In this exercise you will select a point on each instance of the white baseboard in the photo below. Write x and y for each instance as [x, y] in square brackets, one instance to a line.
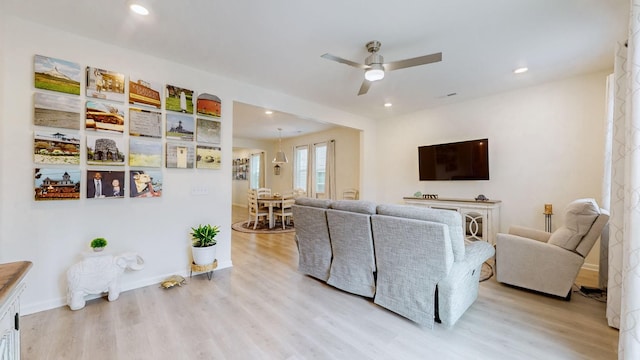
[591, 267]
[27, 309]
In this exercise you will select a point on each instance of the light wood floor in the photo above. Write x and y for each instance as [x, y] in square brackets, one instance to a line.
[263, 308]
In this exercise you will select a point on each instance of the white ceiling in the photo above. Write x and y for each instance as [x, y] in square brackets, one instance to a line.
[277, 43]
[251, 122]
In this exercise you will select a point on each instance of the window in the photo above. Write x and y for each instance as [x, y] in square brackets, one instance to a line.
[320, 163]
[309, 169]
[254, 176]
[300, 167]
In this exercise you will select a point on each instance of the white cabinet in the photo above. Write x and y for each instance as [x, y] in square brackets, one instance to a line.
[11, 286]
[481, 218]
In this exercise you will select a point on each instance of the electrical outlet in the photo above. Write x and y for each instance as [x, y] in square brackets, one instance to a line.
[199, 190]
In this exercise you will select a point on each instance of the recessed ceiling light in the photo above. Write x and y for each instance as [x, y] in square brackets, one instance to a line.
[520, 70]
[268, 112]
[388, 104]
[139, 9]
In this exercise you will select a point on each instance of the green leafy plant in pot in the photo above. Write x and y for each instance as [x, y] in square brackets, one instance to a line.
[203, 241]
[98, 244]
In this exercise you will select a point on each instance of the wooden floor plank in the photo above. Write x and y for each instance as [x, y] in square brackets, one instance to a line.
[262, 308]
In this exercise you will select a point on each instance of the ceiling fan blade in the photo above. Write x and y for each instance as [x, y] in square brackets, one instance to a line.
[344, 61]
[364, 87]
[420, 60]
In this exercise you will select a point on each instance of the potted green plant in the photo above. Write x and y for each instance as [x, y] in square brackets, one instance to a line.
[203, 241]
[98, 244]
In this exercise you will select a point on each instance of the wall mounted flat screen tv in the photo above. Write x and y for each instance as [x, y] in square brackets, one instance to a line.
[465, 160]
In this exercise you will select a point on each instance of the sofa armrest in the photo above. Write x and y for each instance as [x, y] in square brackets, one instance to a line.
[478, 252]
[530, 233]
[523, 247]
[459, 289]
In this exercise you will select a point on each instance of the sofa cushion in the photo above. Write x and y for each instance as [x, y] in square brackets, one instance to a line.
[451, 218]
[358, 206]
[579, 216]
[319, 203]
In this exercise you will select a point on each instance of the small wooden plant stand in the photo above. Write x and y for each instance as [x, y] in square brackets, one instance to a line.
[204, 268]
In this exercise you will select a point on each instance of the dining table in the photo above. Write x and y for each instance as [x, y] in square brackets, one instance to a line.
[272, 202]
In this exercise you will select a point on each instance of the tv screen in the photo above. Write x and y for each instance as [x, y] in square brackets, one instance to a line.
[466, 160]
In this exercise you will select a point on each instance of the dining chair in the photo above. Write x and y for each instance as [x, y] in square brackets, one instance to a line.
[263, 192]
[255, 211]
[289, 194]
[284, 195]
[299, 192]
[285, 212]
[350, 194]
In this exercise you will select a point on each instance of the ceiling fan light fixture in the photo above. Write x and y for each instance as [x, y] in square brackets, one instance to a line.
[374, 65]
[374, 73]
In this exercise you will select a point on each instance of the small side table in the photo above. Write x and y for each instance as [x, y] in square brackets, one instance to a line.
[548, 211]
[204, 268]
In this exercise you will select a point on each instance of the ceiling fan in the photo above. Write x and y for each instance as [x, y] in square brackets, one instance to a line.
[374, 66]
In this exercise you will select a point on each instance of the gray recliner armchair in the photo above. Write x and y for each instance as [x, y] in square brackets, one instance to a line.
[550, 262]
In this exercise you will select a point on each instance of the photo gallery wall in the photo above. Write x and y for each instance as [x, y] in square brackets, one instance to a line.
[125, 130]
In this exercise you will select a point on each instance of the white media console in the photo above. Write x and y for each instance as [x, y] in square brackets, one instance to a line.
[482, 218]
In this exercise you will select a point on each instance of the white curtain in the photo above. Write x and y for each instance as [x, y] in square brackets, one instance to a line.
[263, 169]
[623, 293]
[606, 183]
[310, 161]
[330, 171]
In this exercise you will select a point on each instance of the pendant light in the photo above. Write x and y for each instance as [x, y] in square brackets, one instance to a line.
[280, 158]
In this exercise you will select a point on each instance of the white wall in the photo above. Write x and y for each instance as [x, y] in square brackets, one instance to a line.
[53, 234]
[545, 143]
[3, 29]
[545, 147]
[347, 159]
[240, 187]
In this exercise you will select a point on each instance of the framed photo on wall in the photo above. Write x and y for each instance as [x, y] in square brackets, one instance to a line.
[208, 105]
[145, 183]
[144, 92]
[102, 150]
[105, 84]
[208, 157]
[147, 123]
[208, 131]
[178, 99]
[58, 111]
[145, 153]
[180, 155]
[180, 127]
[104, 116]
[57, 75]
[61, 147]
[105, 184]
[56, 184]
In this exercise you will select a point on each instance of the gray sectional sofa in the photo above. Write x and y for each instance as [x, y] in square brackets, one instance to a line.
[411, 260]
